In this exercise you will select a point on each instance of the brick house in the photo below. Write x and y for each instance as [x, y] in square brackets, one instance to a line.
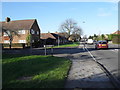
[23, 28]
[52, 39]
[117, 32]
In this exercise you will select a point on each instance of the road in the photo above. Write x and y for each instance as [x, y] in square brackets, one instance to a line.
[107, 57]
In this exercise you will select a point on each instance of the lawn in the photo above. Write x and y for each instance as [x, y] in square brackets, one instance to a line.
[35, 71]
[74, 44]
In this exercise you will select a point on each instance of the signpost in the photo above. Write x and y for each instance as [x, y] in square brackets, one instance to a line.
[46, 46]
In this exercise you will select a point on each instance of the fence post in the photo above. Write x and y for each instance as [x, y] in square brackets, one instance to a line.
[52, 50]
[45, 49]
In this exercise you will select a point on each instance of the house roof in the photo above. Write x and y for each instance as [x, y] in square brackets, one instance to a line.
[47, 35]
[56, 35]
[117, 32]
[62, 35]
[18, 24]
[51, 35]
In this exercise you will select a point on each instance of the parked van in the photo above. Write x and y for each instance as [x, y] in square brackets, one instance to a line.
[89, 41]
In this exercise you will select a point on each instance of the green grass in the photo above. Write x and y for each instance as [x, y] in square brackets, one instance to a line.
[75, 44]
[35, 71]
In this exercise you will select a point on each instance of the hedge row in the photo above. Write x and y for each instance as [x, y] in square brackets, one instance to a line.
[36, 44]
[14, 45]
[116, 39]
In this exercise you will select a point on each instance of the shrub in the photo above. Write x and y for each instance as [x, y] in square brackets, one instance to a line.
[14, 45]
[116, 39]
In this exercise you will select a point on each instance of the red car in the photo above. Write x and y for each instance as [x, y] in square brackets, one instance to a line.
[101, 44]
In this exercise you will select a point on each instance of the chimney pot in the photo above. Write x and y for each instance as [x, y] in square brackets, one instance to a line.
[7, 19]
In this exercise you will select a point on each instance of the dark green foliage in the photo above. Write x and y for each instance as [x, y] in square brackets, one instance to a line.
[14, 45]
[90, 37]
[116, 38]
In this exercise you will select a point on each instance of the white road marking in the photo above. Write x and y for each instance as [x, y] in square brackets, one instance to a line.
[91, 54]
[115, 50]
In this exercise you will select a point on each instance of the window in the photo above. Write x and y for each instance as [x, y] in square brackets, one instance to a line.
[37, 32]
[5, 34]
[6, 41]
[33, 41]
[104, 42]
[21, 32]
[32, 31]
[22, 41]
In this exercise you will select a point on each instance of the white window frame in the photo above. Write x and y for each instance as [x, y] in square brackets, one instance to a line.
[21, 32]
[6, 41]
[33, 41]
[5, 34]
[21, 41]
[37, 32]
[32, 31]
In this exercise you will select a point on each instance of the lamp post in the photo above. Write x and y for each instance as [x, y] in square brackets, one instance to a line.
[84, 36]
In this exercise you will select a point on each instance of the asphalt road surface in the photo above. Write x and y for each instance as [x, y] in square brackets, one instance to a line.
[107, 57]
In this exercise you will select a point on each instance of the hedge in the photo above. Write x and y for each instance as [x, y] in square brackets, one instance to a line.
[14, 45]
[116, 39]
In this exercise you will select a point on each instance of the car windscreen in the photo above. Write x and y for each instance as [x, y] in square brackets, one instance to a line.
[102, 42]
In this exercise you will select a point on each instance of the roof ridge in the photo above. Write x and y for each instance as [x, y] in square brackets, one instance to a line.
[21, 20]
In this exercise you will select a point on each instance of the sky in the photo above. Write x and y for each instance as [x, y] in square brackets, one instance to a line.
[99, 17]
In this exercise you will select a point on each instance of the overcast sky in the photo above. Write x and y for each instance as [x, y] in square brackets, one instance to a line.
[99, 17]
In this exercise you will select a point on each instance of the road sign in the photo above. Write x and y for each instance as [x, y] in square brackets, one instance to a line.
[45, 46]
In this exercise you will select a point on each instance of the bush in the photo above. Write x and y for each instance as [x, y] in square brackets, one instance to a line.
[116, 39]
[36, 44]
[14, 45]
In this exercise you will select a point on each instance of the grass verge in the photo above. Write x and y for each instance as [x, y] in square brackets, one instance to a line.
[20, 71]
[74, 44]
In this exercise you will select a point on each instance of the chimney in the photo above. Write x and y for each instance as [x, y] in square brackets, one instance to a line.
[7, 19]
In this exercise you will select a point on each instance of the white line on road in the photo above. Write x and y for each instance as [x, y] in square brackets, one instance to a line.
[114, 50]
[91, 54]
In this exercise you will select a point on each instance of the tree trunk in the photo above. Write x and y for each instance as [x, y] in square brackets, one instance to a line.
[10, 44]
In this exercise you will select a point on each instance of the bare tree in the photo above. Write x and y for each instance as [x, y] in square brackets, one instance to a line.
[10, 34]
[69, 27]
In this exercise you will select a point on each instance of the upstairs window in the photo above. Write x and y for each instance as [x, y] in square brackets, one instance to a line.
[5, 34]
[6, 41]
[21, 32]
[32, 31]
[21, 41]
[37, 32]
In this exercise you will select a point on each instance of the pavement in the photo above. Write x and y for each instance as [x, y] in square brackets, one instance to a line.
[84, 72]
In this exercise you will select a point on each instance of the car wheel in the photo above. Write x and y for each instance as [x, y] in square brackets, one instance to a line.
[98, 48]
[95, 47]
